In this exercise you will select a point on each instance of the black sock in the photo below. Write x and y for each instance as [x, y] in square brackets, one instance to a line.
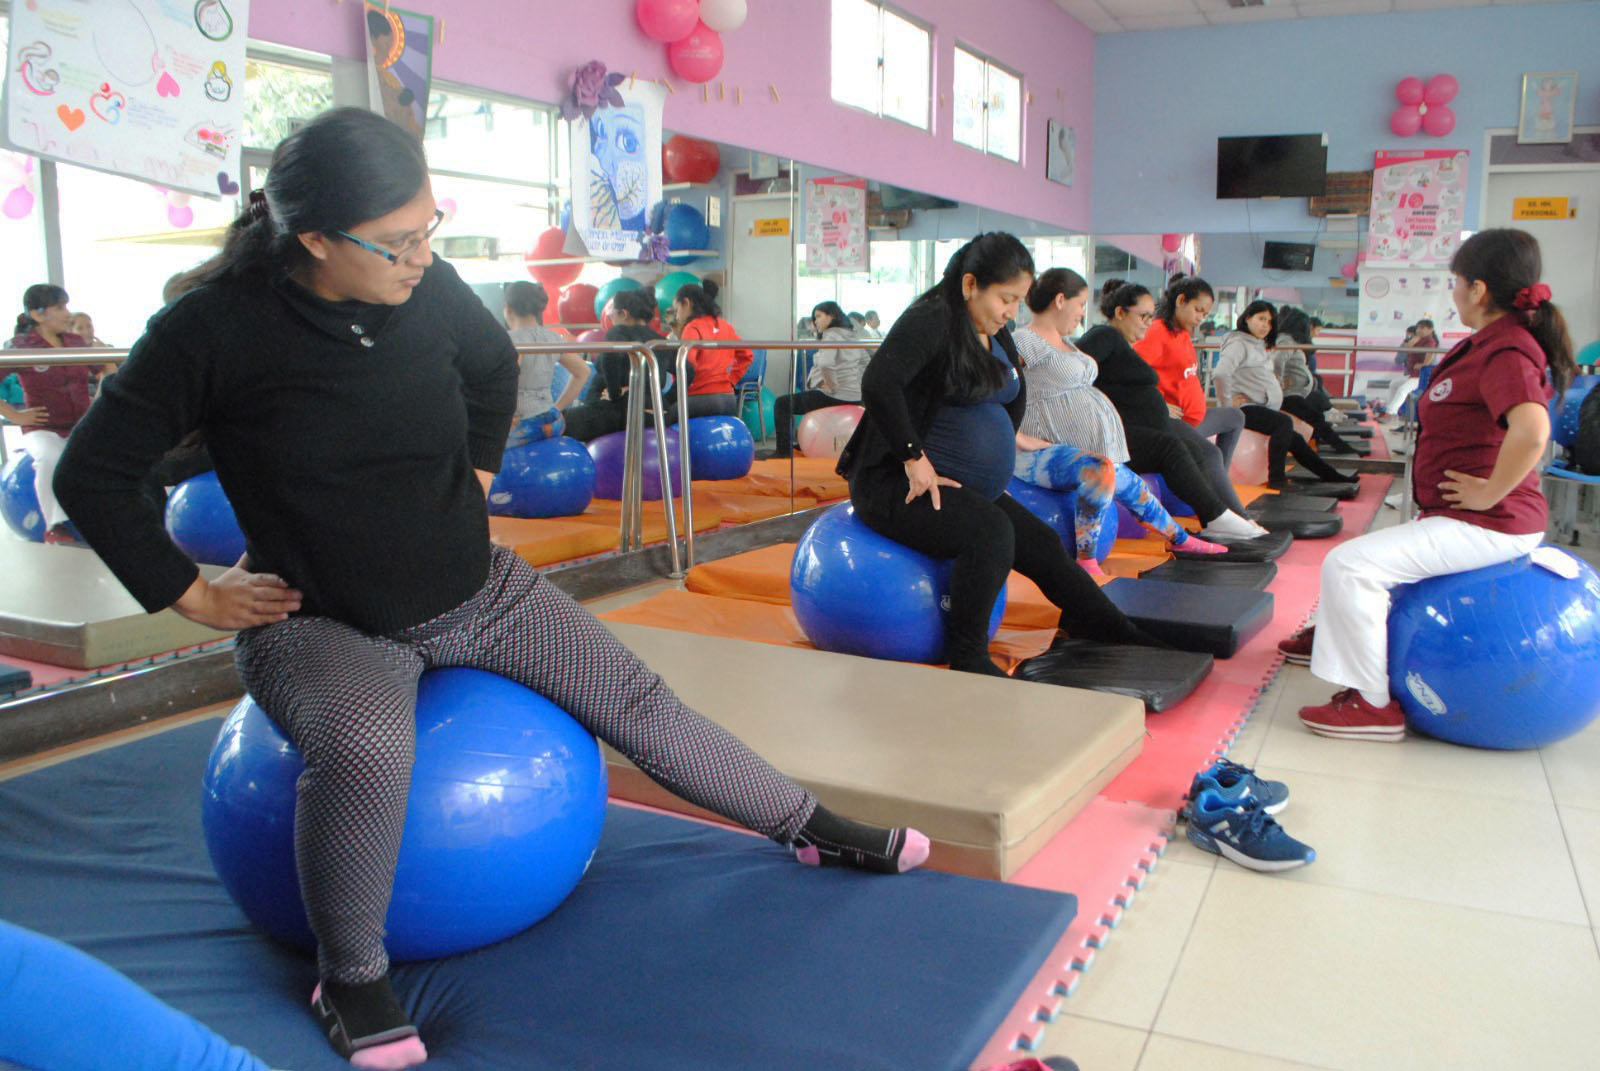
[842, 842]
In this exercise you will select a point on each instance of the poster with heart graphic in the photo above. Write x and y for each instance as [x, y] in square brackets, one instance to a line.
[836, 225]
[150, 89]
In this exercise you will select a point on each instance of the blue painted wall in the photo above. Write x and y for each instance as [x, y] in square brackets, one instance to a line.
[1162, 98]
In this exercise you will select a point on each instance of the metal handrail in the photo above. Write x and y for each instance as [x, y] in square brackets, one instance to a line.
[681, 371]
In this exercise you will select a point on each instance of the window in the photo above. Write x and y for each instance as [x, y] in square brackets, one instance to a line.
[882, 61]
[988, 106]
[277, 95]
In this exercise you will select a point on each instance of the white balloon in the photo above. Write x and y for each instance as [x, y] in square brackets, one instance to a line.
[723, 15]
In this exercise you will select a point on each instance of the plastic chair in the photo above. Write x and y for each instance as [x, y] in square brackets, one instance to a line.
[1566, 488]
[750, 385]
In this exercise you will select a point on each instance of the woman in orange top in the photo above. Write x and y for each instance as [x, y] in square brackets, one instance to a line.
[1168, 348]
[713, 373]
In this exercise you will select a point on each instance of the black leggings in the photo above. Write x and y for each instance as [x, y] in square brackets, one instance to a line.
[1209, 456]
[1326, 437]
[789, 406]
[1283, 440]
[1178, 461]
[986, 540]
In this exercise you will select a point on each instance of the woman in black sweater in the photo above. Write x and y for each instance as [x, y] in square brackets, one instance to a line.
[356, 395]
[1158, 441]
[929, 462]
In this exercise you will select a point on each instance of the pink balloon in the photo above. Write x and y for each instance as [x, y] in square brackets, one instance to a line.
[18, 203]
[1348, 271]
[1406, 120]
[1439, 121]
[1409, 91]
[447, 205]
[698, 57]
[667, 20]
[1171, 242]
[1441, 89]
[1249, 464]
[180, 215]
[824, 432]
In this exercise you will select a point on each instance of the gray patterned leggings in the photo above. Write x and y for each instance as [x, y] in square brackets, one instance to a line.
[347, 700]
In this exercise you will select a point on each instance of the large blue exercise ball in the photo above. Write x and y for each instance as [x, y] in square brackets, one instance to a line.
[685, 228]
[1505, 657]
[507, 800]
[200, 520]
[720, 448]
[608, 452]
[19, 501]
[857, 592]
[548, 478]
[1059, 510]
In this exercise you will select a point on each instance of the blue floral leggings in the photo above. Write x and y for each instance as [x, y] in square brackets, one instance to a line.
[1099, 483]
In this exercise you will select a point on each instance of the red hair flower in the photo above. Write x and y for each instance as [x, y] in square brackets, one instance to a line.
[1531, 297]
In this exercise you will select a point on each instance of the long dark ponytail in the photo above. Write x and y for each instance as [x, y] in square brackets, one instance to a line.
[1189, 288]
[990, 258]
[343, 168]
[37, 298]
[1508, 264]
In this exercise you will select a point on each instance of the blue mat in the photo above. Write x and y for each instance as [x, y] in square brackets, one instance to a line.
[685, 947]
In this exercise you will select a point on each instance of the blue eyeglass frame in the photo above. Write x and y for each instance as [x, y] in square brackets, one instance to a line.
[405, 250]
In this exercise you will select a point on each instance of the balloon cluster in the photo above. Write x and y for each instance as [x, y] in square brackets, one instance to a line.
[692, 31]
[1422, 106]
[18, 174]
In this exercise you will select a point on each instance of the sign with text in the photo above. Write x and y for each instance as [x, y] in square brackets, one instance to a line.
[770, 228]
[1419, 201]
[1544, 208]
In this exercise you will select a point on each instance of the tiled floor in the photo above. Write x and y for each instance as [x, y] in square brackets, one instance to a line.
[1451, 920]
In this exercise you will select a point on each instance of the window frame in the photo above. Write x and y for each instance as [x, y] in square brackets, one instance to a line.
[990, 66]
[926, 28]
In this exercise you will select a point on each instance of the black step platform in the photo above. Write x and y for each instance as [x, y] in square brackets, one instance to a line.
[1359, 447]
[1305, 500]
[1299, 523]
[1300, 485]
[1158, 678]
[13, 679]
[1219, 573]
[1261, 549]
[1215, 620]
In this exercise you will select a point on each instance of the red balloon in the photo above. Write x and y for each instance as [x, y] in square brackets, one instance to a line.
[552, 299]
[594, 334]
[698, 57]
[1439, 121]
[1171, 242]
[1409, 91]
[686, 159]
[667, 20]
[1406, 120]
[1348, 271]
[577, 304]
[1441, 89]
[548, 247]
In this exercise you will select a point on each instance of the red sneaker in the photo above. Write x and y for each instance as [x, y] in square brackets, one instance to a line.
[1347, 715]
[62, 535]
[1297, 648]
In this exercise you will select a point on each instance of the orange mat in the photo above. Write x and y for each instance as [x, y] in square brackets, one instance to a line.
[738, 508]
[813, 477]
[555, 539]
[707, 515]
[760, 575]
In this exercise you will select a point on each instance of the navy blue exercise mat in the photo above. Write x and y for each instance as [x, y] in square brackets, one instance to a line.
[685, 946]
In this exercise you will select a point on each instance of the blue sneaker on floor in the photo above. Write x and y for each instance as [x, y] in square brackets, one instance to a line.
[1235, 782]
[1245, 833]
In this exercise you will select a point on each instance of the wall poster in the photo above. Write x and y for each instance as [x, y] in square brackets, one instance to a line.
[836, 225]
[399, 65]
[616, 173]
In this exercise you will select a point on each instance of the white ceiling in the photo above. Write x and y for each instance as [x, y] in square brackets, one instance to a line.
[1114, 16]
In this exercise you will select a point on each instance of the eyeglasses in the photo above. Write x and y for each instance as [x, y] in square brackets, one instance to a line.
[393, 255]
[1147, 317]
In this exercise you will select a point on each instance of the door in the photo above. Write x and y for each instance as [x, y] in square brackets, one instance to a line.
[760, 298]
[1570, 247]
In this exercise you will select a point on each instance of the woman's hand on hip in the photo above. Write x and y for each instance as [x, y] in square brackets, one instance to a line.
[1467, 492]
[920, 474]
[32, 417]
[238, 599]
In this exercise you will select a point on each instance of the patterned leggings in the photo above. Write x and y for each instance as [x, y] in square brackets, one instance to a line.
[347, 700]
[1099, 482]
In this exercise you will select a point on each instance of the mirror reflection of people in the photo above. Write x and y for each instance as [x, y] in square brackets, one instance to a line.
[355, 395]
[538, 415]
[1168, 347]
[604, 406]
[834, 379]
[55, 397]
[715, 372]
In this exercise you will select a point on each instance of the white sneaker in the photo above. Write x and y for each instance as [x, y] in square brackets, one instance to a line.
[1230, 527]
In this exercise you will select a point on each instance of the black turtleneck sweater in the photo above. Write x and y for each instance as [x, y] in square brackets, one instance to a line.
[345, 435]
[1125, 378]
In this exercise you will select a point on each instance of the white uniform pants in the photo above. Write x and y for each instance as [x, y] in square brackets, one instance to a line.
[1352, 644]
[45, 447]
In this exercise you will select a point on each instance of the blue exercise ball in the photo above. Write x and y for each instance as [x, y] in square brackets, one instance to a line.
[507, 800]
[608, 452]
[720, 448]
[1505, 657]
[1059, 509]
[685, 228]
[200, 520]
[857, 592]
[19, 501]
[548, 478]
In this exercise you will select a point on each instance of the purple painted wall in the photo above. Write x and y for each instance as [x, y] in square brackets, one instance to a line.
[527, 48]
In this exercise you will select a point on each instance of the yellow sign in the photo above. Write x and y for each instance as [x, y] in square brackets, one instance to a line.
[1544, 208]
[770, 228]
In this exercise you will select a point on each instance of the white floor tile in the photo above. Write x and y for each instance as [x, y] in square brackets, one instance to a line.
[1448, 847]
[1573, 768]
[1582, 827]
[1093, 1045]
[1164, 1053]
[1347, 978]
[1130, 976]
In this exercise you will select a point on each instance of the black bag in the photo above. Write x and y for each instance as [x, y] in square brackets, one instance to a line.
[1586, 447]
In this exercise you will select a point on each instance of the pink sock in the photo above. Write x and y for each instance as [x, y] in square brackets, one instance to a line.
[1195, 545]
[1091, 566]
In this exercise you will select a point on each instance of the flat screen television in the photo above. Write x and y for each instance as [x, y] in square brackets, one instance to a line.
[1280, 165]
[1288, 256]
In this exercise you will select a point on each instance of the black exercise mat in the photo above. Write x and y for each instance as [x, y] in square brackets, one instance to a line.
[1158, 678]
[1214, 573]
[1217, 621]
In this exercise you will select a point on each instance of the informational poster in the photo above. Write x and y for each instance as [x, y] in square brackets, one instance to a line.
[148, 89]
[399, 64]
[616, 173]
[1395, 299]
[1419, 199]
[836, 225]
